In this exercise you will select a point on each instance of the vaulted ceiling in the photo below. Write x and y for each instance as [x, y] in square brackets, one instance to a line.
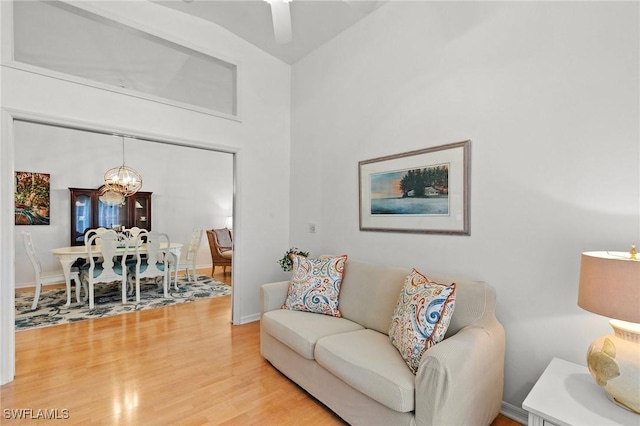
[313, 22]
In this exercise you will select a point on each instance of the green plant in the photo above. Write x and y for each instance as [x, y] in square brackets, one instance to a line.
[286, 263]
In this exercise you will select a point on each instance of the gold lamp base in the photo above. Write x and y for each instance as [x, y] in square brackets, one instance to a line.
[614, 362]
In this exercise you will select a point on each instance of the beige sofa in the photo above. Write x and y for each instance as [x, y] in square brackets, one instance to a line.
[351, 366]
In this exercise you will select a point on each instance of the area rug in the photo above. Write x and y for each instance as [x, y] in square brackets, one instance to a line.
[108, 301]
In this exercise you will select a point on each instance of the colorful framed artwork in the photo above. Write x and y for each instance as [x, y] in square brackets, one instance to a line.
[32, 198]
[423, 191]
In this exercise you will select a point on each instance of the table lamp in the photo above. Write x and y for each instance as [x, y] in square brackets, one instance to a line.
[610, 286]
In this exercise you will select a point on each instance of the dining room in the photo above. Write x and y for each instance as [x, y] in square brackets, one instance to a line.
[186, 187]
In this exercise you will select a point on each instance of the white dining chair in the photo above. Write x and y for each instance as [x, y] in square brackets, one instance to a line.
[133, 231]
[155, 262]
[48, 277]
[96, 241]
[189, 263]
[91, 232]
[110, 266]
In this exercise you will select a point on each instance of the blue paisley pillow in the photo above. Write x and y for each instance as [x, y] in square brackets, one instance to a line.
[315, 284]
[421, 317]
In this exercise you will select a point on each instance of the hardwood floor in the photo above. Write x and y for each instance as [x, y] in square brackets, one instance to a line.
[184, 365]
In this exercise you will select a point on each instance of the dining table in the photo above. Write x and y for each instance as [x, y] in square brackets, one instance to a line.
[69, 255]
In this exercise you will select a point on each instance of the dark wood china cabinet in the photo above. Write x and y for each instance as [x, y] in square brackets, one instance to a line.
[88, 212]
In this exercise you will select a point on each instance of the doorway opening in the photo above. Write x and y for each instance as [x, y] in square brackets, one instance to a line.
[191, 185]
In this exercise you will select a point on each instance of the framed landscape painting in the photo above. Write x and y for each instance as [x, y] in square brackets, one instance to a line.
[423, 191]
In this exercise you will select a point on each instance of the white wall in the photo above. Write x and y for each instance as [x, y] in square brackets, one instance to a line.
[260, 142]
[547, 92]
[192, 188]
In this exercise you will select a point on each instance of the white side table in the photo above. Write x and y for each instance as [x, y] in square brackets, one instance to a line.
[567, 395]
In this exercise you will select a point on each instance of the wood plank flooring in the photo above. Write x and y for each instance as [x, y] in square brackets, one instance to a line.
[178, 365]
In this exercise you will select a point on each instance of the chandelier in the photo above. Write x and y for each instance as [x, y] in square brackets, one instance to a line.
[112, 198]
[122, 180]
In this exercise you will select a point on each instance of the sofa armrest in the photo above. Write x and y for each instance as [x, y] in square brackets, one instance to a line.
[273, 295]
[460, 380]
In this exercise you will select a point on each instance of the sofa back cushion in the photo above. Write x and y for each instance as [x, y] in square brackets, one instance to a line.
[369, 294]
[475, 301]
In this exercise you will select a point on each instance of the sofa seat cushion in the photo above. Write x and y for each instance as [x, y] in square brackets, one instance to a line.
[301, 330]
[367, 361]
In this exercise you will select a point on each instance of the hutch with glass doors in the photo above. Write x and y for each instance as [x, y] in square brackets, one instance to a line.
[88, 212]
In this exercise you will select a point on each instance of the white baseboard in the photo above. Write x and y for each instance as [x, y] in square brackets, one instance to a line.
[25, 285]
[514, 413]
[250, 318]
[205, 266]
[32, 284]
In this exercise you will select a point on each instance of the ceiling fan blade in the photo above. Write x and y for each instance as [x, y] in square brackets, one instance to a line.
[281, 16]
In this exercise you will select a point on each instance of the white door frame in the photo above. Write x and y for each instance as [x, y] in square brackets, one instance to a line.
[7, 229]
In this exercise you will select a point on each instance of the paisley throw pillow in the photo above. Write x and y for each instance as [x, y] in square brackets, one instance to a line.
[315, 284]
[421, 317]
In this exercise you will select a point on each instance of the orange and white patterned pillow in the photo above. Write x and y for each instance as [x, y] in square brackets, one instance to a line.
[315, 284]
[421, 317]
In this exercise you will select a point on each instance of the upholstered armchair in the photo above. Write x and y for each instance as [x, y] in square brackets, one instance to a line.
[221, 246]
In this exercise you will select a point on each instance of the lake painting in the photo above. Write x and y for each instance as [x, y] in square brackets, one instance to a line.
[421, 191]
